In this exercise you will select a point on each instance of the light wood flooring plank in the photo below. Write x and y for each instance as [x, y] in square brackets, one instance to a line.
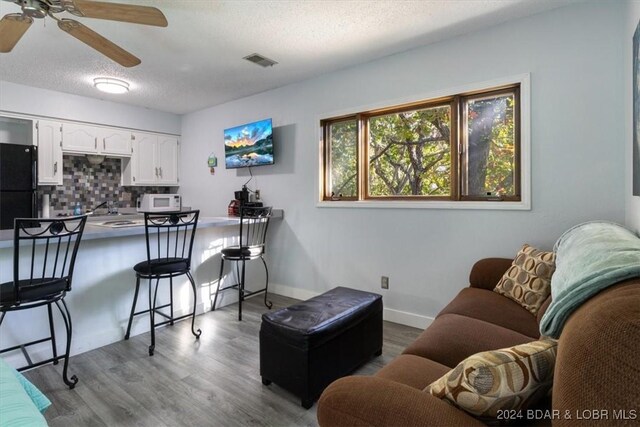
[214, 381]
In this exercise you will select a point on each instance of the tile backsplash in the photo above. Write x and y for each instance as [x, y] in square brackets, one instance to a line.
[91, 185]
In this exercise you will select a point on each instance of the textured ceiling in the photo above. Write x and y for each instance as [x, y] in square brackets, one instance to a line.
[197, 62]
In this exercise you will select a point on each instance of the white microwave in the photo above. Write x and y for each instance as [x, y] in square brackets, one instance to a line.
[159, 203]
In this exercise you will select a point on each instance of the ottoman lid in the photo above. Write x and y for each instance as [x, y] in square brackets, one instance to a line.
[318, 319]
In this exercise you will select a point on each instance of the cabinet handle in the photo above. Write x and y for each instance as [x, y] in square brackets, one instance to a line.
[160, 172]
[104, 144]
[156, 171]
[55, 168]
[96, 139]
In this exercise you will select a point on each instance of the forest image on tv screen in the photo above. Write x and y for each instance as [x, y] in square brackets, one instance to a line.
[249, 145]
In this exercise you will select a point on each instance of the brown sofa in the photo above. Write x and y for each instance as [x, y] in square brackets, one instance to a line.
[597, 366]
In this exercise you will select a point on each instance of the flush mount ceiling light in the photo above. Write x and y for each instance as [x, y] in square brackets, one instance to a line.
[109, 85]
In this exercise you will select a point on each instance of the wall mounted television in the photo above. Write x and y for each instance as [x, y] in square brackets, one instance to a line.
[249, 145]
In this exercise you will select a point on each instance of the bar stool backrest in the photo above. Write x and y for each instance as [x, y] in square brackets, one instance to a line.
[254, 222]
[53, 260]
[170, 234]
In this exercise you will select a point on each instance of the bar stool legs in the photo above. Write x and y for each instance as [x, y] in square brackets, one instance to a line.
[54, 349]
[153, 309]
[268, 304]
[66, 317]
[242, 294]
[133, 307]
[152, 312]
[215, 299]
[195, 300]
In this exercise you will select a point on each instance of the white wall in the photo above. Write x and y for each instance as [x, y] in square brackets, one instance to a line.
[20, 99]
[575, 59]
[632, 202]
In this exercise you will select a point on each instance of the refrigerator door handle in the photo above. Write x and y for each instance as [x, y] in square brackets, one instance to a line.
[34, 166]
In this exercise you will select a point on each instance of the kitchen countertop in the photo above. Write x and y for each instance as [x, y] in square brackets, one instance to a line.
[92, 232]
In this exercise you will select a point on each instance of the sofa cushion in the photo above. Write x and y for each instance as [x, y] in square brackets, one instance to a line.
[452, 338]
[528, 280]
[508, 379]
[414, 371]
[491, 307]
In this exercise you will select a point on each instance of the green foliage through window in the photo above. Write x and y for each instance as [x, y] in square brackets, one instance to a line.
[410, 153]
[418, 152]
[343, 158]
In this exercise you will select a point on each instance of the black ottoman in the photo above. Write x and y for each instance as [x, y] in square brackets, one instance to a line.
[306, 346]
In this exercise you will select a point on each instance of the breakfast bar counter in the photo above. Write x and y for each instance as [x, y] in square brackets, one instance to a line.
[93, 231]
[104, 281]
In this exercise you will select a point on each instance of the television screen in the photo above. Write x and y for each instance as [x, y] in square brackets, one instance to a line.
[249, 145]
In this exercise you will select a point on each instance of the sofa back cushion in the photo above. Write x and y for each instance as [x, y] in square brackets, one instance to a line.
[493, 381]
[528, 280]
[598, 352]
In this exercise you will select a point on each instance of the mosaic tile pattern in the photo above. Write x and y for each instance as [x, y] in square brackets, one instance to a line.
[91, 185]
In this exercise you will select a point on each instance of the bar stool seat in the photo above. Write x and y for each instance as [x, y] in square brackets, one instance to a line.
[155, 267]
[236, 253]
[37, 289]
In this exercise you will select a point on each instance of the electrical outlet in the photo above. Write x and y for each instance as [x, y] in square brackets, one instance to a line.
[257, 193]
[384, 282]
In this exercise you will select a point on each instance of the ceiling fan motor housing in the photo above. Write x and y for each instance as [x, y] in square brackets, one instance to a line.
[34, 8]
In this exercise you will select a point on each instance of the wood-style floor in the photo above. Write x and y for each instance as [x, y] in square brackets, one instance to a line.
[211, 382]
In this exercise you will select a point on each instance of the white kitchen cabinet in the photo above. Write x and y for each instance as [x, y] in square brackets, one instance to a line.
[144, 159]
[116, 142]
[154, 160]
[79, 138]
[48, 138]
[87, 139]
[167, 160]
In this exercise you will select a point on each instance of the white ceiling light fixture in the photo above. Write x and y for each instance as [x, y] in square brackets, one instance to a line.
[109, 85]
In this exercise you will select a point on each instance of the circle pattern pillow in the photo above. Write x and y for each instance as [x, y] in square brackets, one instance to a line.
[528, 280]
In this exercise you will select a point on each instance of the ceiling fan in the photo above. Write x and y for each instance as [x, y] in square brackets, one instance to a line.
[14, 25]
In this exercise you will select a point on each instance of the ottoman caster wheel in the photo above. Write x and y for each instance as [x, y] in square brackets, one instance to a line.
[266, 381]
[378, 353]
[306, 404]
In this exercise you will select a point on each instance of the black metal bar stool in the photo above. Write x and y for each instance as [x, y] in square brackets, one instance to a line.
[50, 247]
[171, 235]
[254, 222]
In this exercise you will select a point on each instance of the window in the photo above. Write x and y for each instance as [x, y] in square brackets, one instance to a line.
[464, 147]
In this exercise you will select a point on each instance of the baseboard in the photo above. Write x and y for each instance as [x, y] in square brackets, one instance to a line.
[405, 318]
[291, 292]
[389, 314]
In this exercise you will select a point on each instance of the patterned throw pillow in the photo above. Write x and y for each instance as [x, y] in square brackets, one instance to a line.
[528, 280]
[508, 379]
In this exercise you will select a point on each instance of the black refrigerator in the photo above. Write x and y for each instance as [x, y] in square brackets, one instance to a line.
[18, 183]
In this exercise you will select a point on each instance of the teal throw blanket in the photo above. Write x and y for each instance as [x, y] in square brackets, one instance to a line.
[589, 258]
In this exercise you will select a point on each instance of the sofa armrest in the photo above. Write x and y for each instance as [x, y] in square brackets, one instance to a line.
[486, 273]
[374, 401]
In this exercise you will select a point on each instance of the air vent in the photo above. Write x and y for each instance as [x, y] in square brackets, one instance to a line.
[260, 60]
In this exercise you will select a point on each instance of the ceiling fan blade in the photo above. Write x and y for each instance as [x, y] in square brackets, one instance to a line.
[12, 28]
[99, 43]
[119, 12]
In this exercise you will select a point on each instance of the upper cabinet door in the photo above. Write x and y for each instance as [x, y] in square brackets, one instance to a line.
[145, 170]
[115, 142]
[78, 138]
[48, 138]
[167, 160]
